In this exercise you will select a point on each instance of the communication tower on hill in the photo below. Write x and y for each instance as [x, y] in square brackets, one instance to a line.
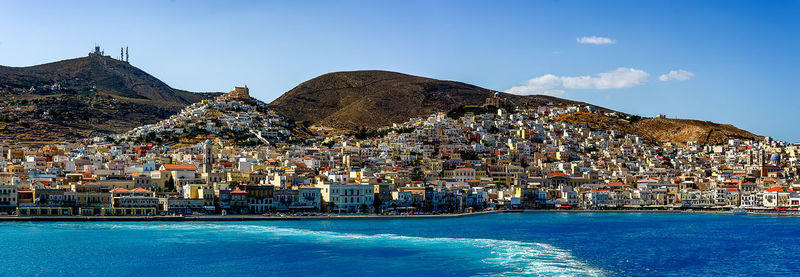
[97, 51]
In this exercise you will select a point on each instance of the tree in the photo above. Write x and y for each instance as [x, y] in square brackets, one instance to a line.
[417, 174]
[469, 155]
[170, 184]
[363, 208]
[634, 118]
[376, 203]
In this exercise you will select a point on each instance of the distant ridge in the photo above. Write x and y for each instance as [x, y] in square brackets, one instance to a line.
[83, 97]
[372, 99]
[98, 95]
[108, 75]
[680, 131]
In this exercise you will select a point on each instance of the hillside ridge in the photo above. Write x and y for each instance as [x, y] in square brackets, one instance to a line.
[81, 98]
[341, 102]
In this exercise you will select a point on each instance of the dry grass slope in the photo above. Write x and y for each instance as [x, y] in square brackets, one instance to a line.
[679, 131]
[373, 99]
[98, 95]
[686, 130]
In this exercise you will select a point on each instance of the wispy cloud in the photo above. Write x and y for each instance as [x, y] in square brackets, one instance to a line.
[618, 78]
[595, 40]
[678, 75]
[550, 84]
[545, 85]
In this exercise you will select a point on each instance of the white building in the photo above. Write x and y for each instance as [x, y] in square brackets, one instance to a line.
[8, 197]
[347, 197]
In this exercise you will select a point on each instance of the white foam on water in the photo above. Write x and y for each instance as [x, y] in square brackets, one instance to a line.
[514, 258]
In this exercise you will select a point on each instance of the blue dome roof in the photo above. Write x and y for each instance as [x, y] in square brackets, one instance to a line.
[775, 156]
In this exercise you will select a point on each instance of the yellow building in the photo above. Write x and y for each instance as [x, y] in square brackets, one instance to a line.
[43, 211]
[15, 154]
[92, 195]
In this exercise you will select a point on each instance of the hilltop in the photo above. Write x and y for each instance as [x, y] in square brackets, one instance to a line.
[686, 130]
[234, 118]
[354, 100]
[98, 96]
[373, 99]
[83, 97]
[671, 130]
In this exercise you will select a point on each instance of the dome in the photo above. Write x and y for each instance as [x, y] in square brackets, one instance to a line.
[775, 156]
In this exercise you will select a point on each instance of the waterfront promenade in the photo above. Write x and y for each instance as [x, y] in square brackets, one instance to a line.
[355, 217]
[230, 217]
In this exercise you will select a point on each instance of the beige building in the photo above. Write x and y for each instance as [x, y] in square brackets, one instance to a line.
[239, 93]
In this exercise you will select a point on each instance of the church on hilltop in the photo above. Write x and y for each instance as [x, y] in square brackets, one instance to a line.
[496, 100]
[239, 93]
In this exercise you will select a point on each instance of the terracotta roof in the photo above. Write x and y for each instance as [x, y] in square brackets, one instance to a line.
[557, 174]
[179, 167]
[777, 189]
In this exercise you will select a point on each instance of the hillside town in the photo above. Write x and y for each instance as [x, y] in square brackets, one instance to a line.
[228, 156]
[236, 117]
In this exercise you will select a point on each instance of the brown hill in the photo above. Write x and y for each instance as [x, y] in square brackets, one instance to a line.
[82, 97]
[373, 99]
[686, 130]
[672, 130]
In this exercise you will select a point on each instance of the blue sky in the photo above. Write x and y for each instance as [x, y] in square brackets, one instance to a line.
[734, 61]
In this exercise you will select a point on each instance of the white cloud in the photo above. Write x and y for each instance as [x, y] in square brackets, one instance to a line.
[618, 78]
[544, 84]
[550, 84]
[595, 40]
[680, 75]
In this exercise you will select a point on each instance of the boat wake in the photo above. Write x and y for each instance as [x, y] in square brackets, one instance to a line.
[508, 257]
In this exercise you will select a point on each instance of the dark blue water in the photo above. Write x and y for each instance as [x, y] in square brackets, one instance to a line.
[489, 245]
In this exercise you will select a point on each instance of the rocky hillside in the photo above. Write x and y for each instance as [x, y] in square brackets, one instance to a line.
[672, 130]
[686, 130]
[225, 119]
[373, 99]
[82, 97]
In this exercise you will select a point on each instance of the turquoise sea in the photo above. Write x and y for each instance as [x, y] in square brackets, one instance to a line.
[517, 244]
